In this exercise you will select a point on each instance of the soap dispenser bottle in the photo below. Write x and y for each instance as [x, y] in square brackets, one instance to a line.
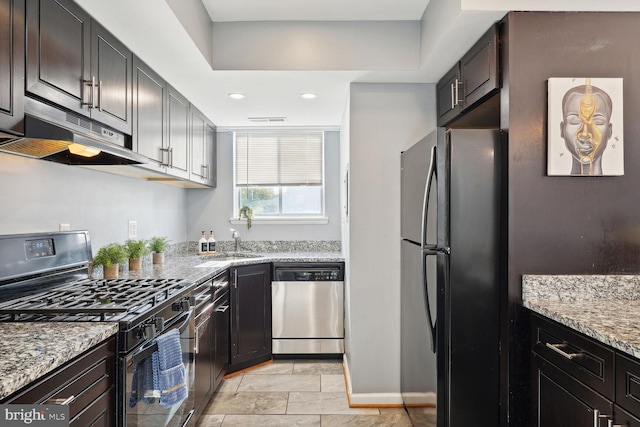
[203, 245]
[211, 243]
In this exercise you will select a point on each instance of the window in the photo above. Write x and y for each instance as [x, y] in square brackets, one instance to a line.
[279, 173]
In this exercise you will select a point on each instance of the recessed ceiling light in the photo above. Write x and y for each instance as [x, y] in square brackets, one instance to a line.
[308, 95]
[236, 96]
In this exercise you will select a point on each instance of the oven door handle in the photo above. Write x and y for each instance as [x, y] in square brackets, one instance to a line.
[148, 350]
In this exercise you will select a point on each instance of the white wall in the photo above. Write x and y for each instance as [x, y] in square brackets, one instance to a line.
[384, 119]
[38, 195]
[211, 209]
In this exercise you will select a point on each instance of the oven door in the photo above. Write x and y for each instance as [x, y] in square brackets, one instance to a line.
[149, 412]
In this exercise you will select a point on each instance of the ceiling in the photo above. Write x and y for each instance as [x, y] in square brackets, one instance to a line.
[314, 10]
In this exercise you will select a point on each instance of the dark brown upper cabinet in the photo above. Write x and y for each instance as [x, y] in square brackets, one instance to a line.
[74, 62]
[11, 65]
[203, 149]
[473, 79]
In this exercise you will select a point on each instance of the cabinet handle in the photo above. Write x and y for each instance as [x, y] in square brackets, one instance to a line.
[555, 347]
[235, 278]
[597, 416]
[205, 171]
[453, 96]
[222, 308]
[91, 83]
[171, 156]
[60, 401]
[162, 151]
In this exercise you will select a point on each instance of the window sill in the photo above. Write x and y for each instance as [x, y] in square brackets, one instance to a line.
[314, 220]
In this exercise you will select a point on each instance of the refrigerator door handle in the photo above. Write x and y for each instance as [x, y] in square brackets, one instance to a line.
[427, 303]
[425, 203]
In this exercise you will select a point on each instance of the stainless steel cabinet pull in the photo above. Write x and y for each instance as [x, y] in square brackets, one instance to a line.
[60, 401]
[91, 83]
[235, 278]
[171, 156]
[163, 150]
[555, 347]
[457, 92]
[453, 96]
[222, 308]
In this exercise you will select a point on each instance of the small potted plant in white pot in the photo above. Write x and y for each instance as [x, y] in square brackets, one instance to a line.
[136, 249]
[158, 245]
[109, 257]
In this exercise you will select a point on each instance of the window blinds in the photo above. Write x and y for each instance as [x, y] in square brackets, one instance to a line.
[279, 158]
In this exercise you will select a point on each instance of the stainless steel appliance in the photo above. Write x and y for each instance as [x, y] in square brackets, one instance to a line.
[307, 306]
[450, 279]
[44, 277]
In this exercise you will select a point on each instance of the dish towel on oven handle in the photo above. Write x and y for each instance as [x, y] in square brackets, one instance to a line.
[168, 369]
[162, 375]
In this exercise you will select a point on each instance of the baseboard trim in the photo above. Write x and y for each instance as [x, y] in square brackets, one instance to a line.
[368, 400]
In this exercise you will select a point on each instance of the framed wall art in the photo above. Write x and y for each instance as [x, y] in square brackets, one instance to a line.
[585, 127]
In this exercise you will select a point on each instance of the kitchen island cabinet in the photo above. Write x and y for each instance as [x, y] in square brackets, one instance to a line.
[585, 349]
[11, 65]
[76, 63]
[62, 363]
[250, 315]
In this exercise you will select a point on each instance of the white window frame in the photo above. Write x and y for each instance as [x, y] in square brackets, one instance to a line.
[298, 219]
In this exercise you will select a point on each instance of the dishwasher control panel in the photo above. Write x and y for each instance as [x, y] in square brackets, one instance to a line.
[309, 273]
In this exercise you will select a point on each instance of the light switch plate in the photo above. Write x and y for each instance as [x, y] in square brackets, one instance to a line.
[133, 229]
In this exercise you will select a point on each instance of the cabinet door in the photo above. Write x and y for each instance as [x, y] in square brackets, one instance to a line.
[210, 156]
[204, 360]
[198, 138]
[221, 344]
[479, 69]
[250, 315]
[12, 65]
[448, 94]
[149, 112]
[623, 418]
[58, 53]
[560, 400]
[178, 131]
[111, 65]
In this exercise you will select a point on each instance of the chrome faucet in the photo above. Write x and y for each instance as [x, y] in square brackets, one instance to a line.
[236, 235]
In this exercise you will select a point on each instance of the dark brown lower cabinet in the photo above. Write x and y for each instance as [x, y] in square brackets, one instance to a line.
[86, 382]
[578, 381]
[250, 315]
[560, 400]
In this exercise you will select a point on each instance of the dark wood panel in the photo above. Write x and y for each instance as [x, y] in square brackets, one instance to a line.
[58, 53]
[448, 109]
[149, 96]
[12, 65]
[628, 384]
[623, 418]
[479, 69]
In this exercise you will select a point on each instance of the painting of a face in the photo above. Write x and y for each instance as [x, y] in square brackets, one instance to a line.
[585, 128]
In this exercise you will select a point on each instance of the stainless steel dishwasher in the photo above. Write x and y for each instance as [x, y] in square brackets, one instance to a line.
[307, 303]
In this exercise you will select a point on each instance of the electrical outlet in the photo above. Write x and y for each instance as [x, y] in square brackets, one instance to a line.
[133, 229]
[64, 227]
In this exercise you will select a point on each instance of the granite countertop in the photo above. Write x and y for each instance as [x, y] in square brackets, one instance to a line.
[30, 350]
[196, 268]
[603, 307]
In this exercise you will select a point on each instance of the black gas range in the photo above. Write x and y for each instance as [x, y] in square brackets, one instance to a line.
[45, 277]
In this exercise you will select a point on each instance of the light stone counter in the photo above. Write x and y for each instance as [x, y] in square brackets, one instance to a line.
[606, 308]
[30, 350]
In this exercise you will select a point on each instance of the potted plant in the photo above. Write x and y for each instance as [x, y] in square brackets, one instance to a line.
[136, 249]
[247, 212]
[109, 257]
[158, 245]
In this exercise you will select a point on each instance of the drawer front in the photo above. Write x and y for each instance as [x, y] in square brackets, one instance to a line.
[628, 384]
[623, 418]
[581, 357]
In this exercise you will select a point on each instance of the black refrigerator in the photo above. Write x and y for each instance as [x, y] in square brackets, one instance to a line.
[450, 278]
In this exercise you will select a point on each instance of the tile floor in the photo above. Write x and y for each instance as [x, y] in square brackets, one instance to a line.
[293, 393]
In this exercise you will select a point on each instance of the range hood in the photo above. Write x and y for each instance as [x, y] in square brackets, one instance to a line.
[63, 137]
